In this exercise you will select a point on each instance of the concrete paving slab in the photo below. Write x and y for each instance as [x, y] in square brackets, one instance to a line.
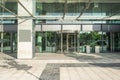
[87, 73]
[61, 67]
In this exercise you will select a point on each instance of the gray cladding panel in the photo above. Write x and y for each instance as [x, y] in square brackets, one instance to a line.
[111, 28]
[96, 27]
[105, 28]
[24, 35]
[9, 27]
[115, 28]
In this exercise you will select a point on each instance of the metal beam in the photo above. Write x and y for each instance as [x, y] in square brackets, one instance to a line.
[58, 18]
[25, 8]
[87, 7]
[65, 9]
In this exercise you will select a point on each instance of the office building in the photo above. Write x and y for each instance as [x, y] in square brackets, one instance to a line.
[59, 26]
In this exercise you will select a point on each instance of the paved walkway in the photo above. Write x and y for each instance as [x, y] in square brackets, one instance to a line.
[89, 73]
[61, 67]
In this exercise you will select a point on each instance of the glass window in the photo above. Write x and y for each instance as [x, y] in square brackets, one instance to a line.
[8, 21]
[46, 42]
[95, 11]
[12, 6]
[49, 9]
[93, 39]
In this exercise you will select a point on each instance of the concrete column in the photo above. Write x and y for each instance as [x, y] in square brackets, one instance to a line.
[25, 31]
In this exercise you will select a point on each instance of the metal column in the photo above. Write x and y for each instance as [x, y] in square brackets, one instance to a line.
[11, 42]
[46, 49]
[2, 42]
[61, 40]
[74, 42]
[67, 42]
[111, 42]
[78, 44]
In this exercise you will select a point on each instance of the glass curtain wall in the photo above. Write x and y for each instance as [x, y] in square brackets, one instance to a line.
[93, 39]
[7, 5]
[55, 8]
[113, 39]
[117, 41]
[50, 42]
[49, 8]
[8, 42]
[47, 42]
[107, 41]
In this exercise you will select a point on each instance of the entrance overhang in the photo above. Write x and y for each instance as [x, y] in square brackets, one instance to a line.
[67, 31]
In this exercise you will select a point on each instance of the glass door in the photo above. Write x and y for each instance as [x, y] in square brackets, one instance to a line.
[69, 42]
[8, 42]
[116, 41]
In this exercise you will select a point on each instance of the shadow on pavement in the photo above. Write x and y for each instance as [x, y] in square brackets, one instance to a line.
[11, 63]
[13, 55]
[83, 56]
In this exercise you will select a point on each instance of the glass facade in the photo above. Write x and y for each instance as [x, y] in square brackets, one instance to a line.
[47, 42]
[7, 9]
[8, 21]
[52, 12]
[93, 39]
[95, 13]
[8, 42]
[8, 5]
[49, 9]
[77, 41]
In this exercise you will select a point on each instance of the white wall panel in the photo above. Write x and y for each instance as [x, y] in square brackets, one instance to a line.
[38, 28]
[87, 27]
[71, 27]
[51, 27]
